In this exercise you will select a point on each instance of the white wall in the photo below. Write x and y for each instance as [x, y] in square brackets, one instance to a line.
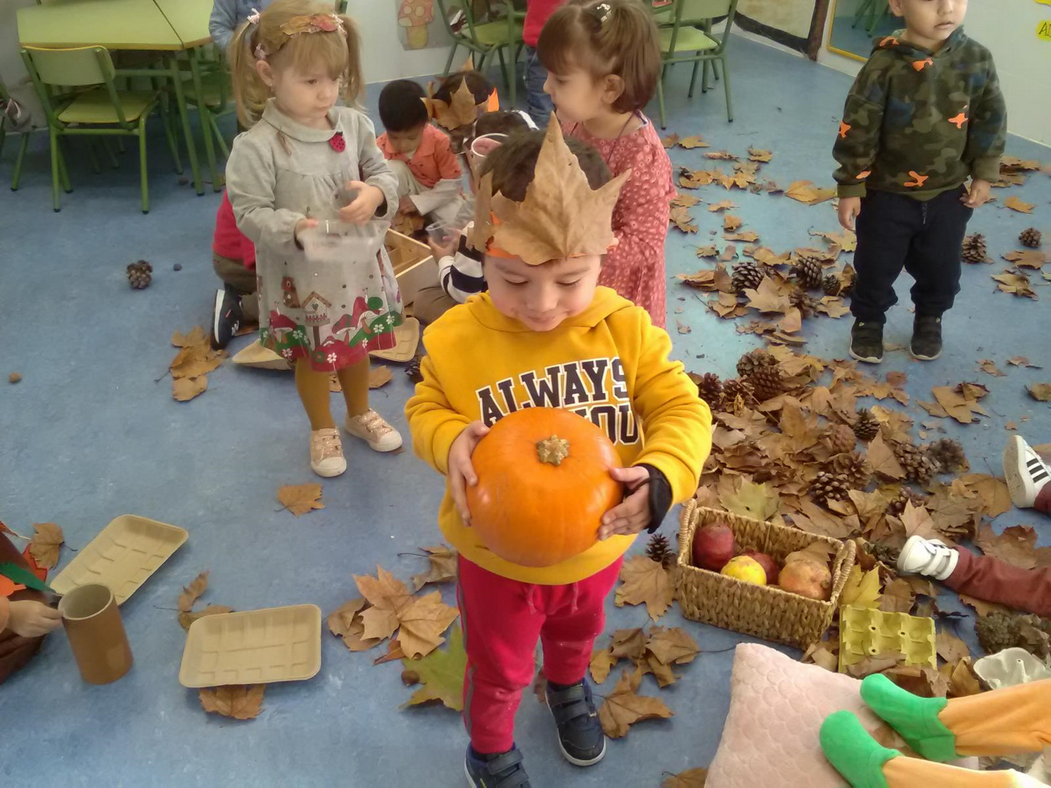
[1023, 61]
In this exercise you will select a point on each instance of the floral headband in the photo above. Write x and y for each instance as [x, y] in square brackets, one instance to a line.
[297, 25]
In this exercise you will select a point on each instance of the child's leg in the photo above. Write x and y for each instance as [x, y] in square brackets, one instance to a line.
[569, 633]
[431, 303]
[1006, 721]
[934, 257]
[354, 380]
[864, 763]
[407, 183]
[500, 626]
[314, 393]
[885, 228]
[997, 581]
[242, 280]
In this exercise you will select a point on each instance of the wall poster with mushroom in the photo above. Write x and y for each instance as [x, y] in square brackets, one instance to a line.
[420, 25]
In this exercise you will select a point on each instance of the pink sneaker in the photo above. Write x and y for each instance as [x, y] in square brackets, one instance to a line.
[372, 429]
[326, 453]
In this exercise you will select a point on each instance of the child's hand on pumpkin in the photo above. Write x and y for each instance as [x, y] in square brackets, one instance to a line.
[461, 471]
[364, 206]
[632, 515]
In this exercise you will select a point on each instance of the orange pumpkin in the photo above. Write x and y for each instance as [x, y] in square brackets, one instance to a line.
[543, 486]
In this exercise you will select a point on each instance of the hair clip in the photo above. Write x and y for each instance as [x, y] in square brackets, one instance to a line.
[260, 52]
[253, 17]
[602, 11]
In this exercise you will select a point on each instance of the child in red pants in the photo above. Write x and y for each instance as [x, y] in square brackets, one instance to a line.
[544, 335]
[990, 578]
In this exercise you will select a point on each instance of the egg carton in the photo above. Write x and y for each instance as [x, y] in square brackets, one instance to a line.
[866, 632]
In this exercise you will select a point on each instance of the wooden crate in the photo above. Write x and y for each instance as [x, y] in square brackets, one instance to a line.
[414, 265]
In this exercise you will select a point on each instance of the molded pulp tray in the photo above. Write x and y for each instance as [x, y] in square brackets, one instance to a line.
[253, 647]
[866, 633]
[122, 557]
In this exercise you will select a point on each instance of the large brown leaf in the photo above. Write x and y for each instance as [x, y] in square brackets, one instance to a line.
[951, 648]
[185, 389]
[672, 646]
[883, 461]
[691, 778]
[300, 499]
[379, 376]
[422, 624]
[767, 297]
[345, 622]
[623, 707]
[991, 491]
[1016, 545]
[441, 672]
[441, 567]
[602, 662]
[645, 582]
[389, 598]
[45, 544]
[240, 702]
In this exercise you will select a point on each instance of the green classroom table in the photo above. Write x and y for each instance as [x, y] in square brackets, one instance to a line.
[169, 26]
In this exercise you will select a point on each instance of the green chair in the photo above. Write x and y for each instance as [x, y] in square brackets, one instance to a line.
[97, 108]
[485, 38]
[214, 102]
[876, 10]
[685, 41]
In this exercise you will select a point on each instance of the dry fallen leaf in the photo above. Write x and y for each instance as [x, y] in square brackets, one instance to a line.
[962, 681]
[807, 192]
[1021, 361]
[951, 648]
[195, 337]
[721, 155]
[1016, 545]
[441, 672]
[1029, 258]
[45, 544]
[441, 568]
[1039, 391]
[300, 499]
[345, 622]
[759, 501]
[623, 708]
[670, 141]
[1016, 204]
[981, 607]
[767, 297]
[423, 624]
[389, 598]
[691, 778]
[682, 327]
[602, 662]
[725, 205]
[672, 646]
[693, 142]
[731, 222]
[988, 366]
[379, 376]
[956, 405]
[882, 459]
[241, 702]
[185, 389]
[191, 592]
[861, 589]
[1015, 283]
[755, 154]
[187, 618]
[991, 491]
[645, 581]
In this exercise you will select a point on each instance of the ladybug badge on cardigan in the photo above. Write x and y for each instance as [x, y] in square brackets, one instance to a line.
[337, 143]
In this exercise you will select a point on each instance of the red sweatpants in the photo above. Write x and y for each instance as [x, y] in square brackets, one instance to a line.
[997, 581]
[502, 620]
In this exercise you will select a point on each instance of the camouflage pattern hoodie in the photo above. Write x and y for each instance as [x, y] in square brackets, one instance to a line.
[919, 122]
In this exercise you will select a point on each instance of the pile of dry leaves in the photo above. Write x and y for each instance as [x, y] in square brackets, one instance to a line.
[191, 365]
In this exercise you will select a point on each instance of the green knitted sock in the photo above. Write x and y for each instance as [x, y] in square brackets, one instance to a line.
[915, 718]
[854, 753]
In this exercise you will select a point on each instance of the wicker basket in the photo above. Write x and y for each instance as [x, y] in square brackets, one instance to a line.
[765, 612]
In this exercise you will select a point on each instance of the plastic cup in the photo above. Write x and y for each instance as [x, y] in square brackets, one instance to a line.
[335, 242]
[96, 633]
[442, 234]
[481, 147]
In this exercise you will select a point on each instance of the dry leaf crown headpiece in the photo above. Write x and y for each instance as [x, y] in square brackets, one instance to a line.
[560, 217]
[298, 25]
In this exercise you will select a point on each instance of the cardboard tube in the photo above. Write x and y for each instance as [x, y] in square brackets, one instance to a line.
[96, 634]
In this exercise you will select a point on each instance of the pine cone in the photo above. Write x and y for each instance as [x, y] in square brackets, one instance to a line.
[884, 552]
[829, 485]
[853, 468]
[746, 276]
[412, 369]
[139, 274]
[659, 551]
[750, 362]
[906, 495]
[710, 389]
[808, 272]
[802, 301]
[865, 426]
[918, 466]
[734, 388]
[974, 249]
[841, 439]
[831, 285]
[767, 383]
[947, 455]
[1031, 238]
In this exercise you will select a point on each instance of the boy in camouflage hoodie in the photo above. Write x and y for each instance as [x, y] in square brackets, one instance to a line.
[924, 114]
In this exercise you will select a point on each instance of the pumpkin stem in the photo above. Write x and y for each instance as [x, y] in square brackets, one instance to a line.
[552, 450]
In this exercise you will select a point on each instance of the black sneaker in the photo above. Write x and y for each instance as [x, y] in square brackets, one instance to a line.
[926, 338]
[580, 735]
[495, 771]
[226, 320]
[866, 342]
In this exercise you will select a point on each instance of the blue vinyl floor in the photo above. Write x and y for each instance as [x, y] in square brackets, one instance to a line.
[91, 432]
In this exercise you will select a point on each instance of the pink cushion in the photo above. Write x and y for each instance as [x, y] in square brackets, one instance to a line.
[777, 705]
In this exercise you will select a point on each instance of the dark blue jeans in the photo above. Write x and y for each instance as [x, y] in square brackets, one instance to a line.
[539, 104]
[896, 231]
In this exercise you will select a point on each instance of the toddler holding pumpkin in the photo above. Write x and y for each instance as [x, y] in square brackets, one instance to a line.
[546, 336]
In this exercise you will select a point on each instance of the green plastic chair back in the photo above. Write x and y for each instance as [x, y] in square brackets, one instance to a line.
[74, 67]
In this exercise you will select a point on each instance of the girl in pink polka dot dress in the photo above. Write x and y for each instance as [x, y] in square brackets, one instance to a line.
[603, 61]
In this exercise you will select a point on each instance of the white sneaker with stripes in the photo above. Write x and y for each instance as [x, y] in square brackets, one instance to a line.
[1025, 472]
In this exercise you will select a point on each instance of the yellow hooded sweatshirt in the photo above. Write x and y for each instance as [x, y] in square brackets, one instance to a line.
[608, 364]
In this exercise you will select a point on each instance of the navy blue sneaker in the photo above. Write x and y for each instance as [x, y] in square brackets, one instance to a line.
[580, 735]
[504, 770]
[226, 319]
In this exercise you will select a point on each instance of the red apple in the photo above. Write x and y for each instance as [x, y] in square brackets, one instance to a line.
[768, 564]
[713, 546]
